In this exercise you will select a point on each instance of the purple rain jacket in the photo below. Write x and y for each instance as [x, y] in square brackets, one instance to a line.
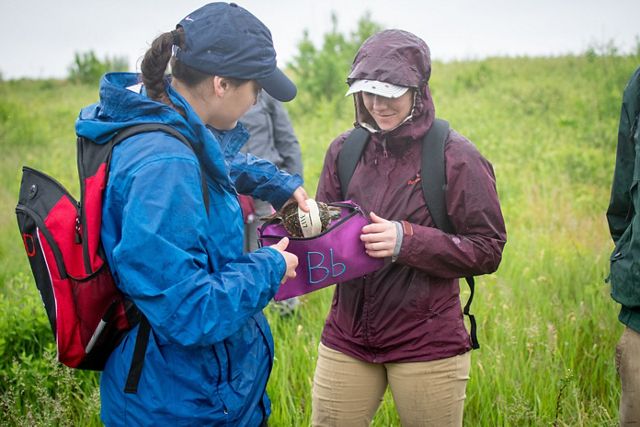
[410, 309]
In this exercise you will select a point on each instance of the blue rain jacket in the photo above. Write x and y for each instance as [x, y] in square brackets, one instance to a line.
[210, 351]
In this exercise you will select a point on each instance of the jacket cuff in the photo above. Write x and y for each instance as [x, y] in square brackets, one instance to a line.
[281, 265]
[399, 235]
[287, 187]
[407, 235]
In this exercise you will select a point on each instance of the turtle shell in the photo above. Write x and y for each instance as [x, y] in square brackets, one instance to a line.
[288, 215]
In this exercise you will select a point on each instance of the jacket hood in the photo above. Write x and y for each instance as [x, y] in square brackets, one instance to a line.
[123, 103]
[393, 56]
[400, 58]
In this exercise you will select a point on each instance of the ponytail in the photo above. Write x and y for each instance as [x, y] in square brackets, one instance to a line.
[154, 65]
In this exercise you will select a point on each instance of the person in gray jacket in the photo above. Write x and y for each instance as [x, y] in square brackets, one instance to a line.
[271, 138]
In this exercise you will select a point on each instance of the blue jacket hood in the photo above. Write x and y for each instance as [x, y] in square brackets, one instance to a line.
[122, 105]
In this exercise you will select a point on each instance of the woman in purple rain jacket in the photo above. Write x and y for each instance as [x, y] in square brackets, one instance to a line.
[403, 326]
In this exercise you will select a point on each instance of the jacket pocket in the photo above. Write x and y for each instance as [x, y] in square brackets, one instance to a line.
[625, 270]
[265, 331]
[245, 361]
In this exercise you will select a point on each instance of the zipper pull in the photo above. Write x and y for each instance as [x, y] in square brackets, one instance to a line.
[78, 237]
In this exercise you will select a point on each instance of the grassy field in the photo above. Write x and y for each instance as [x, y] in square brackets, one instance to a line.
[547, 325]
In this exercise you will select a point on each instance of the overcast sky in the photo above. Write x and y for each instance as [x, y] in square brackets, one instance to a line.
[39, 38]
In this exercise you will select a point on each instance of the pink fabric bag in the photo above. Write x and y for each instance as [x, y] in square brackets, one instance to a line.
[332, 257]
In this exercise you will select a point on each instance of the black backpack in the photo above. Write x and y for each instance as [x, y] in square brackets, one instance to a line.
[88, 314]
[433, 185]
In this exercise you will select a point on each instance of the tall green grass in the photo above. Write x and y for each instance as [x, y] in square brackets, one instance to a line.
[547, 325]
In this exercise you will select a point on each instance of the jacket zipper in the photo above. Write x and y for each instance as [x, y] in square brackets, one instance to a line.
[272, 357]
[377, 205]
[225, 410]
[354, 211]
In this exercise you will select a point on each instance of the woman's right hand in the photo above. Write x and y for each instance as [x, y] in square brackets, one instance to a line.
[290, 259]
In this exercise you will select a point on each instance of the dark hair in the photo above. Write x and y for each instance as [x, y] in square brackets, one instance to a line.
[154, 65]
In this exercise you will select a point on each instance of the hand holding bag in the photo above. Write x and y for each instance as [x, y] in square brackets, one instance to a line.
[334, 256]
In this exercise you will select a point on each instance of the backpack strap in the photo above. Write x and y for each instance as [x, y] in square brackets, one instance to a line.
[433, 174]
[137, 361]
[349, 155]
[472, 319]
[144, 330]
[434, 186]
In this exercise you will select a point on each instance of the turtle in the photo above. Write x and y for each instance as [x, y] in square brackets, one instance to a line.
[291, 221]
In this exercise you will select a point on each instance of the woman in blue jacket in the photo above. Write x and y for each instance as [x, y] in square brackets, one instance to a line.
[210, 350]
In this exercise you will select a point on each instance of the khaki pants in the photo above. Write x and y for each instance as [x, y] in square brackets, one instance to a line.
[347, 391]
[628, 366]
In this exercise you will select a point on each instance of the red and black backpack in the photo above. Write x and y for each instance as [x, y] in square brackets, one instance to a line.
[88, 314]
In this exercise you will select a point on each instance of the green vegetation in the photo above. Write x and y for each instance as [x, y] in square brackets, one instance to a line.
[87, 68]
[321, 72]
[547, 325]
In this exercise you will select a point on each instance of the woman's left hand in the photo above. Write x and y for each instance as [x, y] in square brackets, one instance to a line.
[379, 237]
[300, 196]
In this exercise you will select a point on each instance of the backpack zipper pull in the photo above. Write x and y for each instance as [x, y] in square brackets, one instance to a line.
[78, 236]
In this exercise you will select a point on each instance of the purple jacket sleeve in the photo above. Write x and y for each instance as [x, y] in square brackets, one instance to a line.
[474, 211]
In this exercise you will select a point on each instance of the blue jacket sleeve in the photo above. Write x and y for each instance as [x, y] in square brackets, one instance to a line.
[262, 179]
[162, 261]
